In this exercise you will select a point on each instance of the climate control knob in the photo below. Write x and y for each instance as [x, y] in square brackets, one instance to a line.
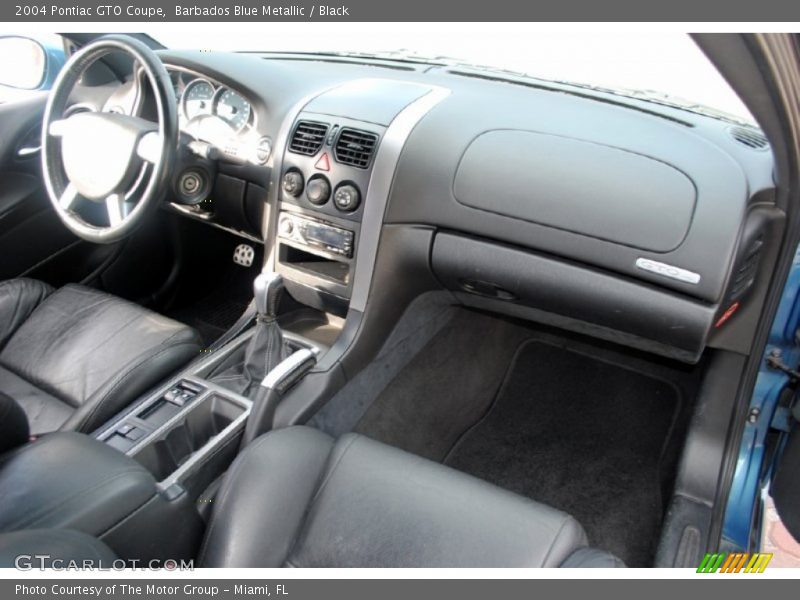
[347, 197]
[293, 183]
[318, 190]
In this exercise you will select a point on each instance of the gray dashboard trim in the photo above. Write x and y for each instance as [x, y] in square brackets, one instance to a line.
[371, 99]
[380, 184]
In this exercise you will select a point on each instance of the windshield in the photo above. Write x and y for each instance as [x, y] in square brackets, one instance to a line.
[669, 66]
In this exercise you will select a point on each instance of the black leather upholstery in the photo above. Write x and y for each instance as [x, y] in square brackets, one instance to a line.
[69, 480]
[18, 299]
[592, 558]
[62, 545]
[13, 424]
[265, 349]
[294, 498]
[74, 357]
[298, 498]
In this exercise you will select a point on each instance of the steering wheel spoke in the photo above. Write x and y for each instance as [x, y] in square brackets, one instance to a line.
[68, 197]
[117, 208]
[58, 128]
[149, 147]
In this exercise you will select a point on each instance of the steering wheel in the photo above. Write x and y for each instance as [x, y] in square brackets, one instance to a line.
[121, 161]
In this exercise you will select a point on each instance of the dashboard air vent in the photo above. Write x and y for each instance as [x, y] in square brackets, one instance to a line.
[750, 137]
[308, 137]
[355, 148]
[745, 274]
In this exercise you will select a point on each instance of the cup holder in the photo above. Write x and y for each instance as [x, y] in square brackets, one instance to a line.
[181, 440]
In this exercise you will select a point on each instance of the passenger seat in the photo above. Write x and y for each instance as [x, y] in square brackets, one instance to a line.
[298, 498]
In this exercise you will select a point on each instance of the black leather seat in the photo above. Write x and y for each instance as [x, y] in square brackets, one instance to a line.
[72, 481]
[49, 548]
[73, 357]
[69, 481]
[296, 497]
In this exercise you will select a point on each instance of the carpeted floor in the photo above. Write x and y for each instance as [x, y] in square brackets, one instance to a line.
[582, 435]
[212, 314]
[445, 388]
[583, 427]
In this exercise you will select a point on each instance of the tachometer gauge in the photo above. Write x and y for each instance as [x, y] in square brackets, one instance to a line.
[231, 108]
[198, 98]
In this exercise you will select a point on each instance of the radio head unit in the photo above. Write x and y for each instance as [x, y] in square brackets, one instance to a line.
[315, 236]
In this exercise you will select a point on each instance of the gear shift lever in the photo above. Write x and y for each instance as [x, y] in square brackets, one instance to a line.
[267, 289]
[266, 348]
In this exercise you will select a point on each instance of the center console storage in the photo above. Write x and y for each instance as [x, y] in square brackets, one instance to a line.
[188, 432]
[184, 437]
[208, 418]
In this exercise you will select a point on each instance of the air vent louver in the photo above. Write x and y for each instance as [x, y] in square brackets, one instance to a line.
[750, 138]
[745, 274]
[308, 137]
[355, 148]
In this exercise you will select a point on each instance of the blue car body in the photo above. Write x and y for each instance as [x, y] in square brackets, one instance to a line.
[754, 467]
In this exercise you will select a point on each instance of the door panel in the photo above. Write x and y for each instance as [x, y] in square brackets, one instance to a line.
[30, 231]
[33, 241]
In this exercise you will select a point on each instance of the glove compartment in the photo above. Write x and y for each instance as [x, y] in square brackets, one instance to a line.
[533, 286]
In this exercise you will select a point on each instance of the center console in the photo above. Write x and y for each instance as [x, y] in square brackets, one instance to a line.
[185, 435]
[187, 432]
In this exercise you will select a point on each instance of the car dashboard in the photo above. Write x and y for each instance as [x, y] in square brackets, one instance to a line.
[622, 219]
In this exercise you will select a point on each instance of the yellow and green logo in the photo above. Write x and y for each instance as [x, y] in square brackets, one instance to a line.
[734, 562]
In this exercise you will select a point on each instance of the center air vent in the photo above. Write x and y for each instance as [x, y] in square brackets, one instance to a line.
[749, 137]
[355, 148]
[308, 137]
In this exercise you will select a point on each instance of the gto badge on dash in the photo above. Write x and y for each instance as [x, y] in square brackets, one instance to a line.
[666, 270]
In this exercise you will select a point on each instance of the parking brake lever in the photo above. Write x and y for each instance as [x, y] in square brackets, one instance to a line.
[272, 389]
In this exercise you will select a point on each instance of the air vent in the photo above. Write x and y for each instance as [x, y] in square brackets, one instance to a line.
[355, 148]
[308, 137]
[745, 274]
[750, 137]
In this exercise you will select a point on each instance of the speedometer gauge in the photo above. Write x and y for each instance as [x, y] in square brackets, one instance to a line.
[198, 98]
[232, 108]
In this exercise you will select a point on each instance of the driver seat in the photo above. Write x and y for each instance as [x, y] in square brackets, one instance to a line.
[74, 357]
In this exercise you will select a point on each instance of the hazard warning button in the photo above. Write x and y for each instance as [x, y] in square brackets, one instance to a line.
[324, 163]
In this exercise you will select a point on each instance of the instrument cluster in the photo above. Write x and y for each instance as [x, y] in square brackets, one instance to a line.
[201, 99]
[220, 116]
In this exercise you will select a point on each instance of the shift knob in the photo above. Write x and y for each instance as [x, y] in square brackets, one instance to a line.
[267, 289]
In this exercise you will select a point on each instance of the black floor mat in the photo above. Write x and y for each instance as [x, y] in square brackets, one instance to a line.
[584, 426]
[584, 436]
[446, 388]
[212, 314]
